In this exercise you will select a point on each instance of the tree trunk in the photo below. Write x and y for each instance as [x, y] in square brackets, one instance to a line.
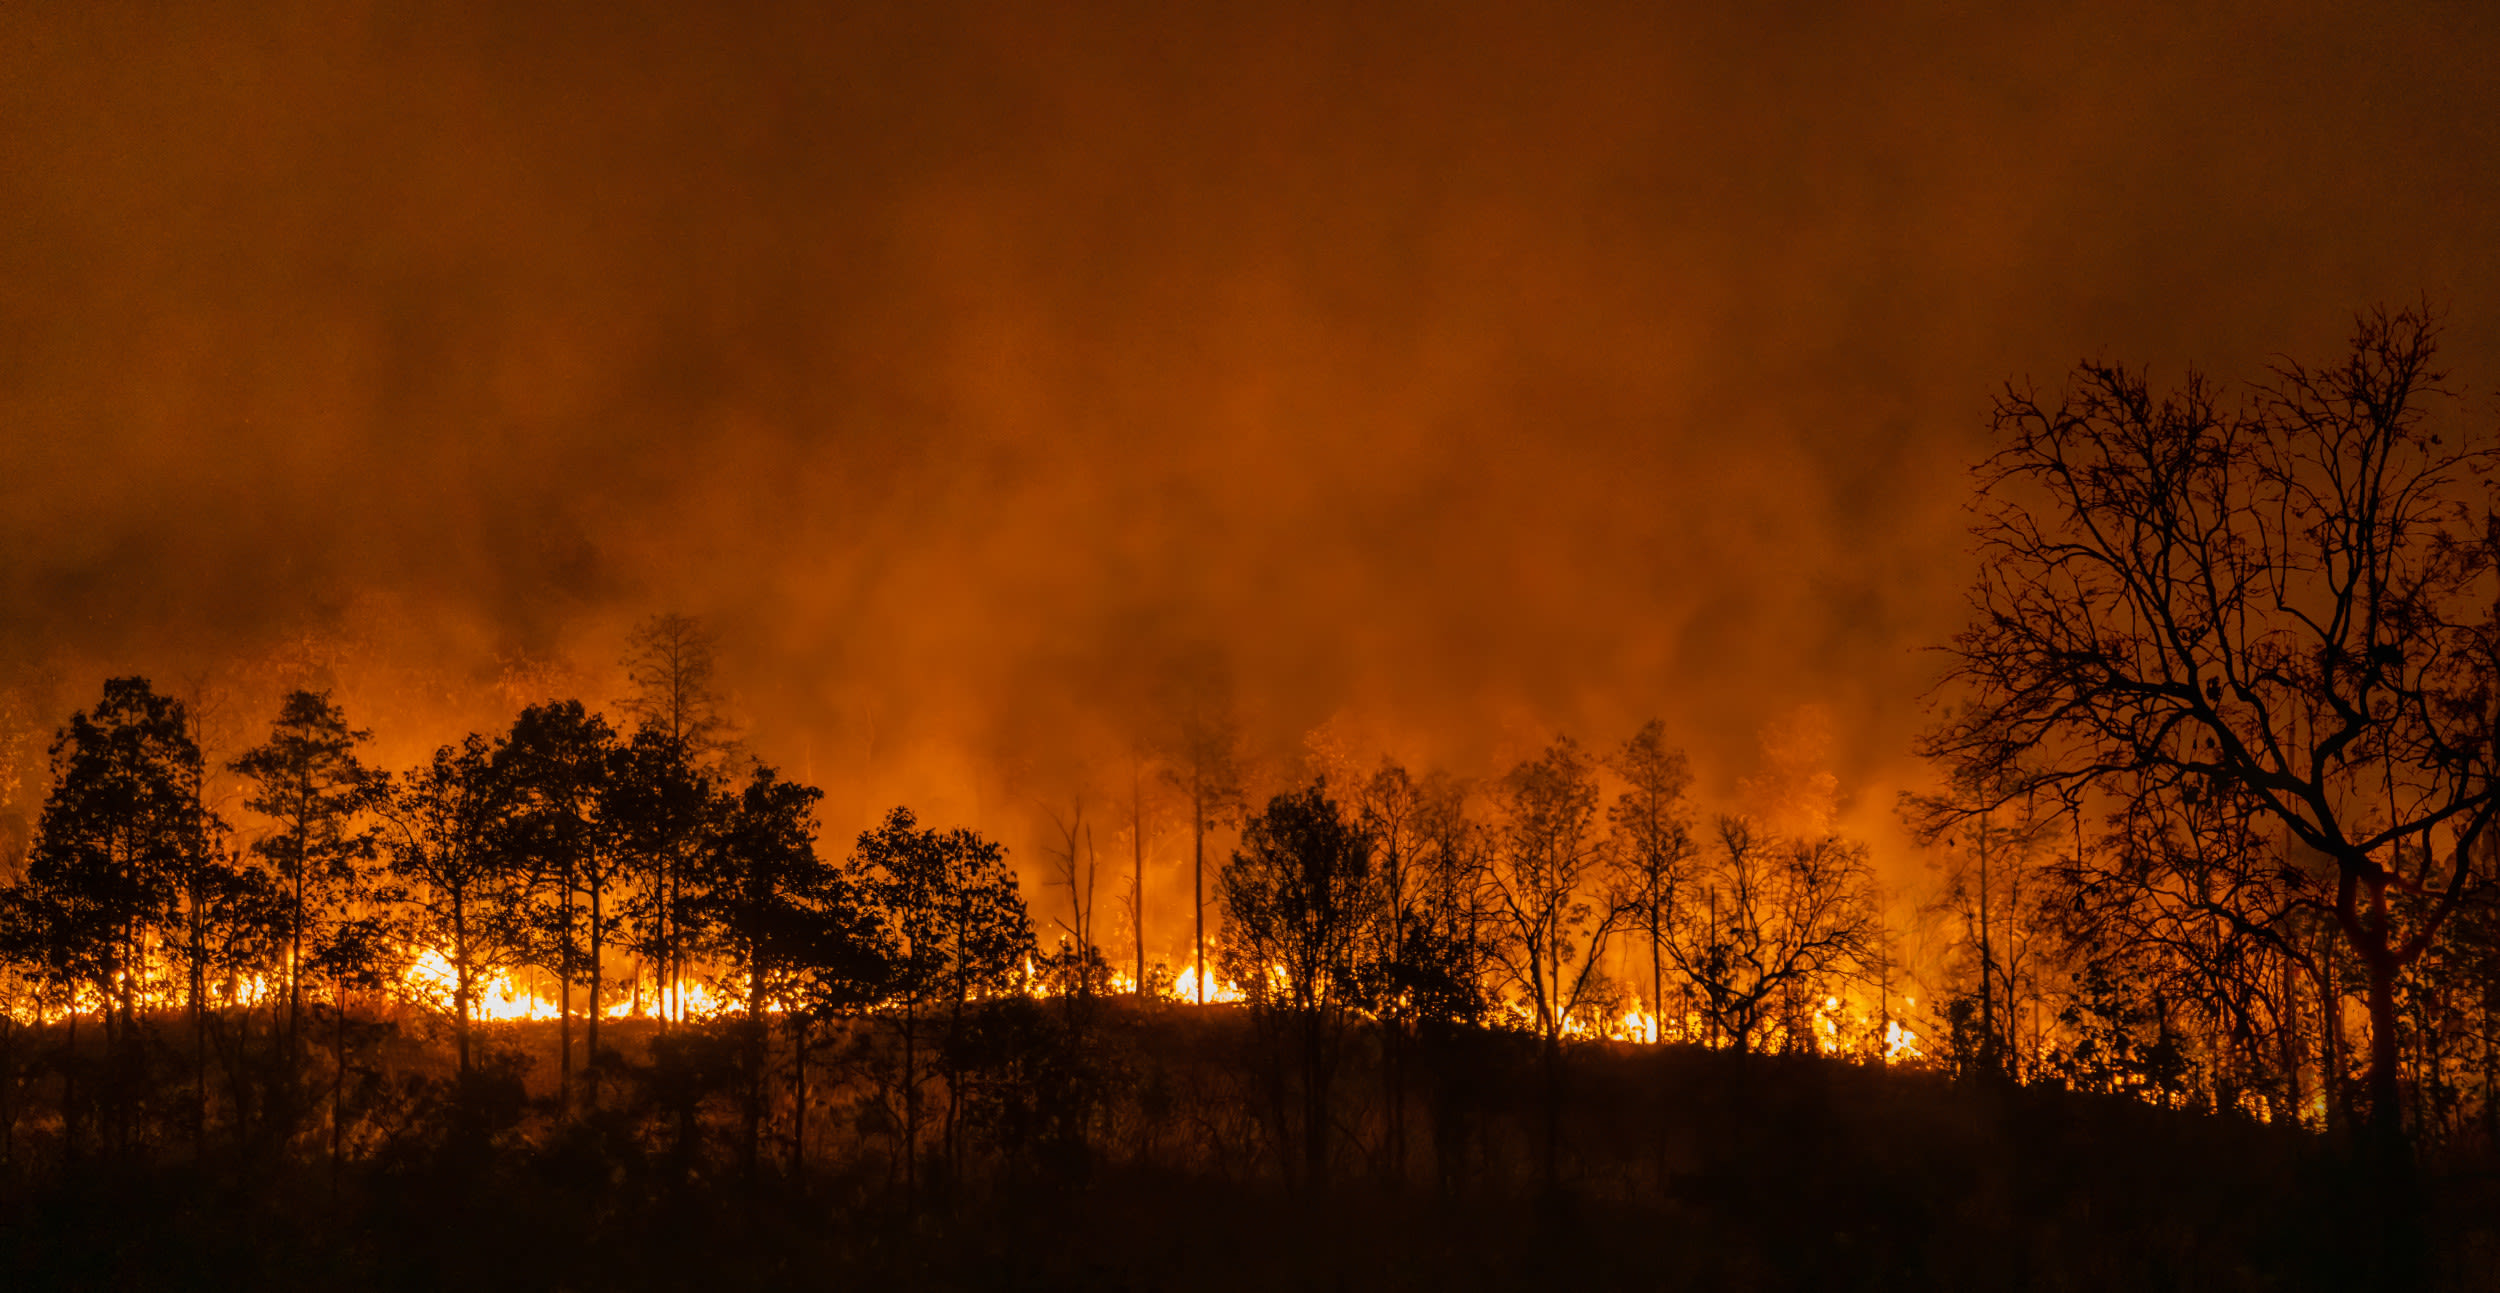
[338, 1078]
[2331, 1034]
[460, 979]
[1314, 1105]
[198, 988]
[564, 999]
[911, 1111]
[1988, 1058]
[954, 1071]
[1657, 977]
[2287, 1026]
[69, 1085]
[798, 1094]
[1137, 870]
[1198, 875]
[1553, 1111]
[598, 938]
[2386, 1092]
[757, 1053]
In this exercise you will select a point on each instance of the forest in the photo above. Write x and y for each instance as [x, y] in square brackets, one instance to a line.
[2206, 976]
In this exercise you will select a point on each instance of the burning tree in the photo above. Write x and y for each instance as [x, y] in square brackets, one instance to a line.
[2288, 600]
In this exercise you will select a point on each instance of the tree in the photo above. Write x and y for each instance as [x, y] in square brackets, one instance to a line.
[1548, 876]
[1773, 927]
[1136, 896]
[659, 800]
[791, 930]
[555, 767]
[2287, 600]
[314, 791]
[1206, 768]
[118, 849]
[2179, 920]
[680, 738]
[1299, 900]
[1078, 968]
[1994, 890]
[961, 932]
[1654, 845]
[1403, 978]
[447, 819]
[669, 662]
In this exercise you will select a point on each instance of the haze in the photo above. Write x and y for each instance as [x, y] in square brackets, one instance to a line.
[987, 376]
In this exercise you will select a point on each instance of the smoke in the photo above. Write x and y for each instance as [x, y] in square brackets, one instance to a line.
[995, 379]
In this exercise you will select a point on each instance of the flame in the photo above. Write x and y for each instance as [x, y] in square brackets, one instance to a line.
[494, 997]
[1185, 986]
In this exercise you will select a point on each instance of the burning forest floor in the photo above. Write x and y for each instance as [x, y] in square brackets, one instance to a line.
[1139, 1153]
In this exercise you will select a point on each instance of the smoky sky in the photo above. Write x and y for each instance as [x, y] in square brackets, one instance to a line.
[988, 375]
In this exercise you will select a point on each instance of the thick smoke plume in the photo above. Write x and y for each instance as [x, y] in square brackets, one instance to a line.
[999, 381]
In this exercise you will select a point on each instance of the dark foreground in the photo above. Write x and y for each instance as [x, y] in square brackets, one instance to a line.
[1680, 1169]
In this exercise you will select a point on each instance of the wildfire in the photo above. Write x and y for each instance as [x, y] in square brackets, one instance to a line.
[1836, 1027]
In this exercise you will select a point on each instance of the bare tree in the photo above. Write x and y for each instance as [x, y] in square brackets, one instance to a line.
[1774, 926]
[2289, 600]
[669, 662]
[1654, 844]
[1206, 769]
[1076, 867]
[1548, 881]
[1993, 886]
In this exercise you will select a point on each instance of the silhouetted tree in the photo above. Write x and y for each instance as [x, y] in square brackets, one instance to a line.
[1994, 891]
[669, 662]
[309, 784]
[1773, 927]
[659, 802]
[120, 833]
[554, 767]
[791, 930]
[2287, 600]
[447, 820]
[961, 932]
[1205, 769]
[1653, 844]
[681, 738]
[1078, 968]
[1549, 879]
[1299, 906]
[1397, 984]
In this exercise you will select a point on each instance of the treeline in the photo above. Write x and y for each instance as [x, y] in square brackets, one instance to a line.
[559, 848]
[165, 983]
[1439, 986]
[168, 980]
